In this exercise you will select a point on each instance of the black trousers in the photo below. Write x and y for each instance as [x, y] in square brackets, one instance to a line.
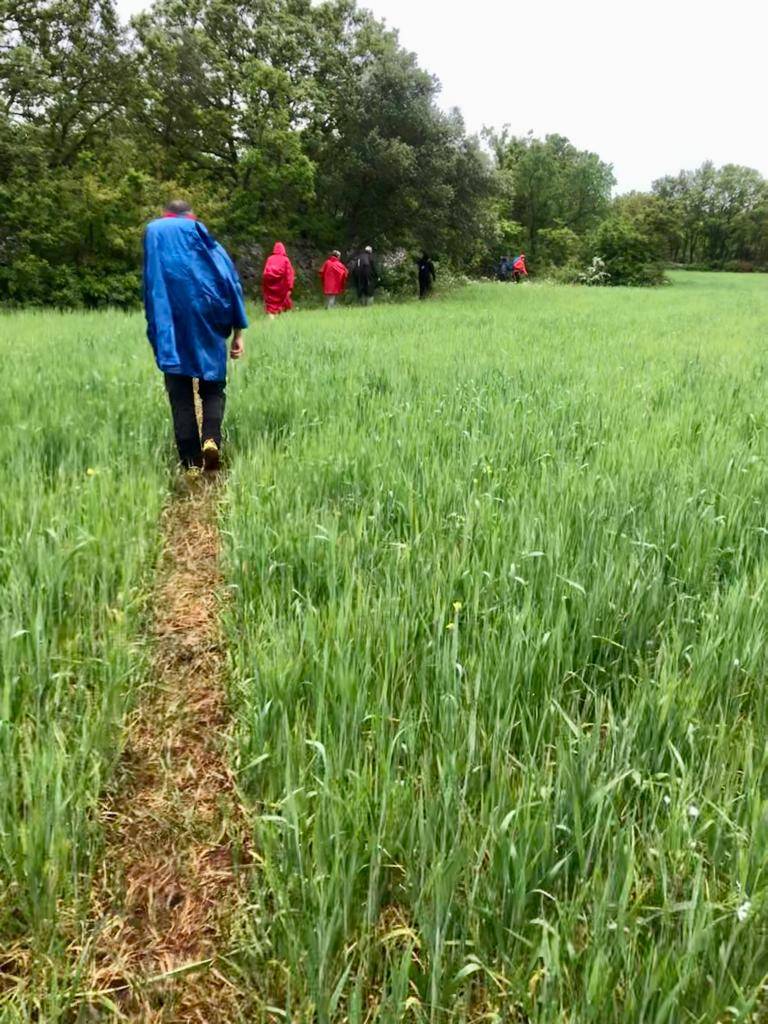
[181, 394]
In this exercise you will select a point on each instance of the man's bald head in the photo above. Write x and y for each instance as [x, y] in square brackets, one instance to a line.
[178, 207]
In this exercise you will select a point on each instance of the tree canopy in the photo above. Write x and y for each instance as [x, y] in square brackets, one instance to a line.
[274, 117]
[552, 184]
[714, 215]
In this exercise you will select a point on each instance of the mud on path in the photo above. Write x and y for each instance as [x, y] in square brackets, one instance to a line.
[174, 832]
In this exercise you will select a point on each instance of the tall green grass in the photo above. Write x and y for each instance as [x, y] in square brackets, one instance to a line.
[497, 655]
[83, 442]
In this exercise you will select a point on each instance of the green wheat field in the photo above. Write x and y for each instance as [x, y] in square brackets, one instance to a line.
[497, 568]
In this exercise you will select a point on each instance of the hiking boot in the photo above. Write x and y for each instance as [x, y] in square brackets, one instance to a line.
[211, 456]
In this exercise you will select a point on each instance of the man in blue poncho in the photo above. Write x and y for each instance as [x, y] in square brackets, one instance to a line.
[194, 301]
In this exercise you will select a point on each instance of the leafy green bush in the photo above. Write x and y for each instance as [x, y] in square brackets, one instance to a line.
[397, 273]
[628, 253]
[569, 273]
[558, 247]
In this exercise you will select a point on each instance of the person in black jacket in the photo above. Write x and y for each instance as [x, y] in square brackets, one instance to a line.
[362, 271]
[427, 275]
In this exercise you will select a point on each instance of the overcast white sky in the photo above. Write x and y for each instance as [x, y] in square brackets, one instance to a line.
[652, 87]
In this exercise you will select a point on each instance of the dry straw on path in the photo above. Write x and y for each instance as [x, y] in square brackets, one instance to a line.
[174, 832]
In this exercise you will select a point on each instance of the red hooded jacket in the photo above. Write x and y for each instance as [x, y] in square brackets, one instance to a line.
[277, 281]
[334, 276]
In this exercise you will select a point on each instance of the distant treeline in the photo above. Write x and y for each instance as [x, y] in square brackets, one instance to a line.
[310, 123]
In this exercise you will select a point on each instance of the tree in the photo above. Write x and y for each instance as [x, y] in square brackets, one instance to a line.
[66, 73]
[714, 214]
[391, 167]
[656, 218]
[554, 185]
[225, 89]
[68, 89]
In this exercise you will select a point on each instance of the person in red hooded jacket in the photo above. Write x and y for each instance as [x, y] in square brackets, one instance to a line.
[333, 275]
[519, 269]
[277, 281]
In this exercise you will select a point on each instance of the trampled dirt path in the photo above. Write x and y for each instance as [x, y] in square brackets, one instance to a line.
[174, 832]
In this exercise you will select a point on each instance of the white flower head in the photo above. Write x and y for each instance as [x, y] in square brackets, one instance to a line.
[693, 812]
[742, 912]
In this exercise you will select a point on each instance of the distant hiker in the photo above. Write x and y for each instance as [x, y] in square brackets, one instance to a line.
[362, 270]
[505, 268]
[333, 275]
[427, 275]
[194, 301]
[519, 269]
[277, 281]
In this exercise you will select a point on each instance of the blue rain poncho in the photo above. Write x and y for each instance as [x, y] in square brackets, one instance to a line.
[192, 296]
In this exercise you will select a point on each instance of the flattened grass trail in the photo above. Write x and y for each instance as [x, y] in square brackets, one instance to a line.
[173, 835]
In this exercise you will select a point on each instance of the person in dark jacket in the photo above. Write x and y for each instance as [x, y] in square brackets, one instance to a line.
[362, 270]
[427, 275]
[194, 302]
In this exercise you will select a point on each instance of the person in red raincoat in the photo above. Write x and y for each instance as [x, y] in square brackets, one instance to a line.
[277, 281]
[519, 268]
[333, 275]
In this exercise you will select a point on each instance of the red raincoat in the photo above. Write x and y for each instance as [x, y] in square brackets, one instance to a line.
[334, 276]
[277, 281]
[519, 265]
